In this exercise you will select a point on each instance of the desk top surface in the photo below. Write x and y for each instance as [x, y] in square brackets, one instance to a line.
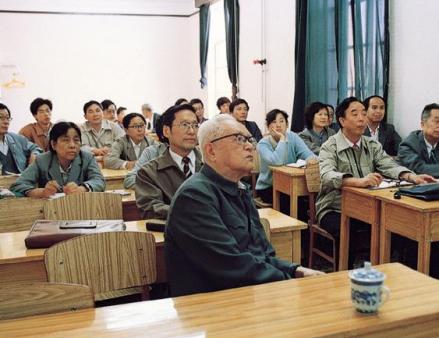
[13, 250]
[280, 222]
[114, 174]
[409, 202]
[369, 192]
[318, 306]
[290, 171]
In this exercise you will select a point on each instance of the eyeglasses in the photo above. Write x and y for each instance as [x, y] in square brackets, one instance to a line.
[239, 138]
[185, 126]
[5, 118]
[137, 126]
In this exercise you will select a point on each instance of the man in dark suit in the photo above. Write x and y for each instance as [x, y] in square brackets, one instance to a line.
[419, 151]
[378, 129]
[239, 109]
[150, 117]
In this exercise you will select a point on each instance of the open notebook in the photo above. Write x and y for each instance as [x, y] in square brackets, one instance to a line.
[388, 183]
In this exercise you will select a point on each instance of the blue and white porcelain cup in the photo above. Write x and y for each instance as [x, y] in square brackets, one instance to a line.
[367, 290]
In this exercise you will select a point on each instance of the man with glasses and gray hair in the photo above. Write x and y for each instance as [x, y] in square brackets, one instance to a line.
[159, 179]
[214, 239]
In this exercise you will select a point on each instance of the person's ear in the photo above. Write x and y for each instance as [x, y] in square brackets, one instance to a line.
[166, 131]
[210, 152]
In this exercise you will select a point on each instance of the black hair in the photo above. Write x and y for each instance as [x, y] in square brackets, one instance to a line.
[426, 111]
[107, 103]
[60, 129]
[221, 101]
[90, 103]
[37, 103]
[180, 101]
[127, 119]
[237, 102]
[311, 110]
[2, 106]
[169, 114]
[271, 116]
[330, 106]
[366, 101]
[119, 110]
[194, 101]
[340, 111]
[159, 130]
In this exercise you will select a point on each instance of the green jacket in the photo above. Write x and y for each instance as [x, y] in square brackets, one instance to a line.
[337, 161]
[214, 239]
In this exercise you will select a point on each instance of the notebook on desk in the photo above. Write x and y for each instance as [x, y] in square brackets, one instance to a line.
[45, 233]
[389, 183]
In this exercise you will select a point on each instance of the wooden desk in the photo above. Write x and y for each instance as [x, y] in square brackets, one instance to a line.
[129, 206]
[7, 180]
[318, 307]
[20, 264]
[284, 233]
[411, 218]
[361, 204]
[114, 178]
[290, 181]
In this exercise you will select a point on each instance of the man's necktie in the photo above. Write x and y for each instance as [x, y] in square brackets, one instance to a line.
[148, 126]
[433, 155]
[186, 170]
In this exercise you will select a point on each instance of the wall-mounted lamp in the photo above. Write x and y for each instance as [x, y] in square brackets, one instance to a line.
[12, 80]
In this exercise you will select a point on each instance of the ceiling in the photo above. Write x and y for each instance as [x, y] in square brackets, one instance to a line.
[155, 7]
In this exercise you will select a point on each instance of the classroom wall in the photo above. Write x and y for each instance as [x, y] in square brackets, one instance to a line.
[414, 66]
[74, 58]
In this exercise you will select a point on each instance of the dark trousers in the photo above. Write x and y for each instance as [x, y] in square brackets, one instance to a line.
[359, 239]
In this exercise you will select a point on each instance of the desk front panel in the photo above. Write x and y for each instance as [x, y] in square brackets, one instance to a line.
[359, 206]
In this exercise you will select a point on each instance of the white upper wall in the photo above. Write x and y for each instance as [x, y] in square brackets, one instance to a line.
[414, 66]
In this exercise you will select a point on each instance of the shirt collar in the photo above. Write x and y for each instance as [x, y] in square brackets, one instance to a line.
[349, 143]
[178, 159]
[229, 187]
[40, 131]
[430, 146]
[105, 125]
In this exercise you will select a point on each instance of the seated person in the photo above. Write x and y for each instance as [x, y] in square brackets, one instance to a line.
[98, 134]
[150, 118]
[126, 150]
[38, 132]
[331, 123]
[65, 168]
[379, 129]
[159, 179]
[239, 109]
[317, 131]
[280, 147]
[419, 151]
[109, 110]
[198, 105]
[120, 114]
[16, 151]
[223, 104]
[148, 154]
[214, 239]
[351, 159]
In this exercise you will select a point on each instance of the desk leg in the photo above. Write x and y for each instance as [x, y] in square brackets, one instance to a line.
[276, 199]
[293, 204]
[297, 253]
[344, 243]
[374, 243]
[385, 239]
[424, 257]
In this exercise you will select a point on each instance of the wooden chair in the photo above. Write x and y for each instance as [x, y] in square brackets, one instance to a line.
[312, 174]
[30, 299]
[113, 264]
[90, 205]
[266, 225]
[17, 214]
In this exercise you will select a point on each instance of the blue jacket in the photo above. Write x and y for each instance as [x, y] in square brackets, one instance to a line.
[214, 239]
[21, 149]
[46, 168]
[284, 152]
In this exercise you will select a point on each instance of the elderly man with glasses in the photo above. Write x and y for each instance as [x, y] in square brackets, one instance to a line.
[214, 239]
[157, 181]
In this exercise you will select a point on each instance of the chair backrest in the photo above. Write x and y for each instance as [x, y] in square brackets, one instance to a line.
[106, 262]
[90, 205]
[313, 180]
[256, 162]
[30, 299]
[266, 225]
[17, 214]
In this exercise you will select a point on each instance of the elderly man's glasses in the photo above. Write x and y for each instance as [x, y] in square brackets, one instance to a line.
[137, 126]
[239, 138]
[5, 118]
[185, 126]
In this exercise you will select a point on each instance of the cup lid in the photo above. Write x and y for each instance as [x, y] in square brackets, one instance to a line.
[367, 274]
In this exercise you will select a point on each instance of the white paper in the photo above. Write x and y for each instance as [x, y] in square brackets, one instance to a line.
[299, 164]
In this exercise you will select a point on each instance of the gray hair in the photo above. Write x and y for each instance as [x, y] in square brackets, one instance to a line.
[213, 128]
[146, 106]
[427, 110]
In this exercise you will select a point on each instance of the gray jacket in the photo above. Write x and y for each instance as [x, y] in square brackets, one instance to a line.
[156, 184]
[21, 149]
[413, 153]
[122, 150]
[337, 161]
[110, 133]
[313, 140]
[84, 170]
